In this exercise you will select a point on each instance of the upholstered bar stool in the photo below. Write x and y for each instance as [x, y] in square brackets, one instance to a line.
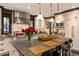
[53, 52]
[70, 46]
[65, 49]
[57, 51]
[48, 53]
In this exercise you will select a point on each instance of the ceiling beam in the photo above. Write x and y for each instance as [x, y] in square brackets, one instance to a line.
[77, 8]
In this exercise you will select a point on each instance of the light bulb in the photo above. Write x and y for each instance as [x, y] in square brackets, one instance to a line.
[59, 19]
[40, 16]
[51, 20]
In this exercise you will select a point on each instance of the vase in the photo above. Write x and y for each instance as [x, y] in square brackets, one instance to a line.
[29, 38]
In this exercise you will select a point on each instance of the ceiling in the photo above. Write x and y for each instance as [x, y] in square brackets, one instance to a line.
[33, 8]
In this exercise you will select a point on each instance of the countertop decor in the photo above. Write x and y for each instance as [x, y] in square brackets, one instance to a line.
[29, 32]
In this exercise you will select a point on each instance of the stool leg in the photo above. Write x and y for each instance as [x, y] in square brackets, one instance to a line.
[66, 53]
[61, 52]
[70, 52]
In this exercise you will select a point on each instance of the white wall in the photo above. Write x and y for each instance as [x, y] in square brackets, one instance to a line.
[71, 21]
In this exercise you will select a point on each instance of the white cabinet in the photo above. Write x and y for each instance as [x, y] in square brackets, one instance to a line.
[72, 27]
[21, 17]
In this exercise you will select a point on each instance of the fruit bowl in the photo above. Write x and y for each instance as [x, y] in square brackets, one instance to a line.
[44, 38]
[47, 37]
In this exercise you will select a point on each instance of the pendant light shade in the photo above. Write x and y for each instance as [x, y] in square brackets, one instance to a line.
[59, 18]
[51, 19]
[39, 16]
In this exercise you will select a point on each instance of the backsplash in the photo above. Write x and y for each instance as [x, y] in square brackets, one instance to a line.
[19, 27]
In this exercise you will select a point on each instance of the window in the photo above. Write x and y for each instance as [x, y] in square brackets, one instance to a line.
[6, 21]
[5, 24]
[59, 25]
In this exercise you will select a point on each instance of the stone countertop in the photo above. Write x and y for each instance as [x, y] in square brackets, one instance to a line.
[8, 48]
[23, 45]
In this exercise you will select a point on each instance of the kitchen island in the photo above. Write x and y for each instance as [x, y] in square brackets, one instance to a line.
[36, 47]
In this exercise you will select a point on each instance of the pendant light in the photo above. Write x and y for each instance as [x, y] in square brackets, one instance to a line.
[51, 19]
[59, 18]
[39, 15]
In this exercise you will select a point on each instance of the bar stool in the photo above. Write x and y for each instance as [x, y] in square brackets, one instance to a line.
[57, 51]
[65, 48]
[70, 46]
[48, 53]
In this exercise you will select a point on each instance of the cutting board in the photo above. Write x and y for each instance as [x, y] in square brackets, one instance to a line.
[60, 40]
[51, 43]
[38, 49]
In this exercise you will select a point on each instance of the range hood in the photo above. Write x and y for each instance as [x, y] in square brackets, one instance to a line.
[18, 21]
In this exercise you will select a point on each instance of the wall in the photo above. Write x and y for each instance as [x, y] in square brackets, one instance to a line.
[72, 27]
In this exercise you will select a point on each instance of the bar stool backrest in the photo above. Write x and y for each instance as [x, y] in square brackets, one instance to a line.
[66, 43]
[70, 40]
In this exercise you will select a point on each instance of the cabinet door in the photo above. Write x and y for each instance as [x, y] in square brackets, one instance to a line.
[75, 34]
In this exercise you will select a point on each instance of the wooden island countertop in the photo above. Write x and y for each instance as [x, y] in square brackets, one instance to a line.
[36, 48]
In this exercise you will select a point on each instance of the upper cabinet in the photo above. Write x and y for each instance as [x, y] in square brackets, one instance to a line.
[21, 17]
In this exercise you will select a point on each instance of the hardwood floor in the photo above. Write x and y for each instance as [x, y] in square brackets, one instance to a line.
[75, 53]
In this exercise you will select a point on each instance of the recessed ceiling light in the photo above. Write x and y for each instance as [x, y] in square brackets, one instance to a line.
[47, 14]
[74, 6]
[28, 7]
